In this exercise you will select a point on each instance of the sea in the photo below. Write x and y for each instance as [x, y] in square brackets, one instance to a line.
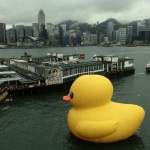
[39, 122]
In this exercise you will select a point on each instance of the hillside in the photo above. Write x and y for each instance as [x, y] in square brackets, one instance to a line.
[101, 27]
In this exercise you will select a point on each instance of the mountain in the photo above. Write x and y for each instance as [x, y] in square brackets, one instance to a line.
[101, 27]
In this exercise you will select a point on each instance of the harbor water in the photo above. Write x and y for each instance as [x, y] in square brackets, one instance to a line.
[39, 122]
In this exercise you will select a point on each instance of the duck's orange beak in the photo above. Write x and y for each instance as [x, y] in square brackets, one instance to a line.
[66, 98]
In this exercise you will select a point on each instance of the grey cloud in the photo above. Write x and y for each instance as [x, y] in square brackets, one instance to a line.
[25, 12]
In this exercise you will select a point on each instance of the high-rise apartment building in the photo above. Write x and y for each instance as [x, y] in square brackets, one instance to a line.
[13, 26]
[117, 36]
[89, 39]
[35, 30]
[11, 37]
[78, 33]
[86, 38]
[122, 35]
[63, 28]
[129, 34]
[50, 30]
[114, 36]
[66, 38]
[57, 34]
[101, 37]
[110, 29]
[93, 39]
[3, 34]
[20, 32]
[41, 23]
[28, 30]
[143, 31]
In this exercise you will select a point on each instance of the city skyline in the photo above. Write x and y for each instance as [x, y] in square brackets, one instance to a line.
[26, 12]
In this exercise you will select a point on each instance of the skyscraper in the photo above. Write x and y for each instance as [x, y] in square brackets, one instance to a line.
[50, 30]
[63, 28]
[122, 35]
[110, 29]
[20, 32]
[41, 23]
[35, 29]
[57, 34]
[2, 33]
[63, 25]
[129, 33]
[11, 37]
[28, 30]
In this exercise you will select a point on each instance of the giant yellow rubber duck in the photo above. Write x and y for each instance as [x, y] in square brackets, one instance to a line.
[94, 117]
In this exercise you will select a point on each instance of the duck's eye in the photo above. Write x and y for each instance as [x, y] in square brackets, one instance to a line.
[71, 95]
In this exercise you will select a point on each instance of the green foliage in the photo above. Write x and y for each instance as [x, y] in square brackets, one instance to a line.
[101, 27]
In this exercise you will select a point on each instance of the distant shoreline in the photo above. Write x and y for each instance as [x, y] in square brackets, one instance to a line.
[68, 46]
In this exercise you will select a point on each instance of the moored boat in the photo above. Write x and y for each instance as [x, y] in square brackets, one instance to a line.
[3, 46]
[131, 45]
[25, 55]
[148, 67]
[3, 96]
[81, 56]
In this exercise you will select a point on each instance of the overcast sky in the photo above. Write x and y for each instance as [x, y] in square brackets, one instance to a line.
[25, 12]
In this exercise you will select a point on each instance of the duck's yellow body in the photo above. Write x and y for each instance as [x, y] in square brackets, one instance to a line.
[94, 117]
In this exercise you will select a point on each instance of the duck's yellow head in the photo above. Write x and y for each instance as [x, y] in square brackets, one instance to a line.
[90, 91]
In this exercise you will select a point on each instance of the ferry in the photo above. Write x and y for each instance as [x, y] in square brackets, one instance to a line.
[81, 56]
[106, 45]
[131, 45]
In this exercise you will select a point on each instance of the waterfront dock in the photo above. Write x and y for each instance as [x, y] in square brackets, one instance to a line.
[56, 72]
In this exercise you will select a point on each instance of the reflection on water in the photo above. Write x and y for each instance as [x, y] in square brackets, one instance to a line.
[132, 143]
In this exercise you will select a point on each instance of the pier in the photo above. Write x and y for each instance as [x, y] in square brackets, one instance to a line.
[52, 73]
